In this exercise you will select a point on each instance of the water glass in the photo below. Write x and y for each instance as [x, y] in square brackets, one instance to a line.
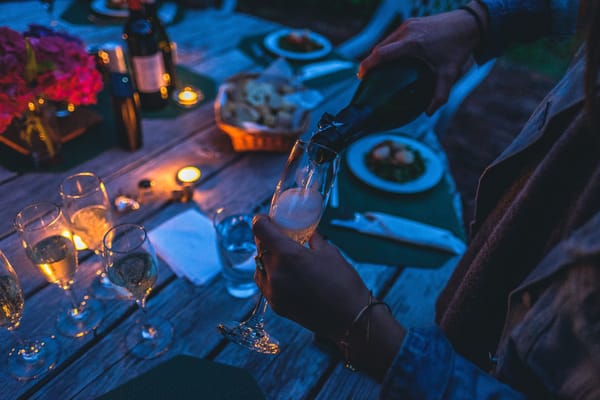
[237, 249]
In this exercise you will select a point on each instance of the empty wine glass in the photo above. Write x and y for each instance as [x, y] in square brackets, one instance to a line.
[48, 241]
[33, 357]
[297, 205]
[87, 207]
[131, 262]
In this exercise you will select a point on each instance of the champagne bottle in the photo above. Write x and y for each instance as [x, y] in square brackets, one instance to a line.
[164, 44]
[125, 99]
[390, 95]
[146, 59]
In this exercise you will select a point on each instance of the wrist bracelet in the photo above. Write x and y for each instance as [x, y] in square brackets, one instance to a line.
[344, 342]
[478, 21]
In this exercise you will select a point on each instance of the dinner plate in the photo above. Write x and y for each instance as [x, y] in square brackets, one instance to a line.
[100, 7]
[356, 153]
[271, 42]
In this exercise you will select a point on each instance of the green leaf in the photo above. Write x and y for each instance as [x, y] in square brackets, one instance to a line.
[30, 63]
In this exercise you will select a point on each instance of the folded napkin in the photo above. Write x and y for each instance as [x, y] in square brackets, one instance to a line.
[403, 230]
[188, 244]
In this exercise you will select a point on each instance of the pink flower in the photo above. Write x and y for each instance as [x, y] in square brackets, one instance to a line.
[60, 70]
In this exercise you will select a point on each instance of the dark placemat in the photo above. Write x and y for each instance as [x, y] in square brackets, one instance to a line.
[102, 135]
[185, 77]
[434, 207]
[79, 12]
[253, 47]
[185, 377]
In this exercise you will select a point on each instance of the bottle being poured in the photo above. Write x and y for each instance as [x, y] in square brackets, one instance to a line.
[389, 96]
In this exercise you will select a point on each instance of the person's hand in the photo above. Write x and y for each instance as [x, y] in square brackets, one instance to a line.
[314, 287]
[444, 41]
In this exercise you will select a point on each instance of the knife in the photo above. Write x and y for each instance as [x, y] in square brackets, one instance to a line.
[402, 230]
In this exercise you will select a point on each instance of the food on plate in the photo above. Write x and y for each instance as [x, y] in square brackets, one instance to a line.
[116, 4]
[394, 161]
[260, 102]
[299, 42]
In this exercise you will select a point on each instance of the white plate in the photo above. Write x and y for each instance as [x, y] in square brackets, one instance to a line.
[271, 42]
[356, 162]
[100, 7]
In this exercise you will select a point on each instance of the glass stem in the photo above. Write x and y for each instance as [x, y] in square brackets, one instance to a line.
[75, 310]
[257, 317]
[148, 332]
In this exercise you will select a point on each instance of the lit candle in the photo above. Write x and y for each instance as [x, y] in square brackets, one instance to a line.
[188, 175]
[188, 96]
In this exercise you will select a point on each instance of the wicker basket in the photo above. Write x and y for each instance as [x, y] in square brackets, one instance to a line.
[255, 137]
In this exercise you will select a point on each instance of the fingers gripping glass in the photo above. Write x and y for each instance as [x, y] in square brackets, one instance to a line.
[297, 205]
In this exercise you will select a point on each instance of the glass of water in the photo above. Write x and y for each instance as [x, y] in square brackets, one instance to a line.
[233, 227]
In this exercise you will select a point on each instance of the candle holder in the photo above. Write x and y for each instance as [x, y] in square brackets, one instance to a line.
[186, 177]
[188, 96]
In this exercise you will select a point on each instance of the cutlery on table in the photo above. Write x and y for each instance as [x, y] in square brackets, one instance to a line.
[403, 230]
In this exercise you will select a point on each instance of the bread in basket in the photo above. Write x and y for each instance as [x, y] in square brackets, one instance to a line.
[256, 113]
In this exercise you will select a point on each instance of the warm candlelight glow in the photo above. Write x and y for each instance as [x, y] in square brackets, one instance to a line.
[188, 96]
[188, 175]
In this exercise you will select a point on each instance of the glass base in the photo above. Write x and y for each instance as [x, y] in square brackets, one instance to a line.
[150, 339]
[103, 289]
[33, 359]
[253, 338]
[89, 316]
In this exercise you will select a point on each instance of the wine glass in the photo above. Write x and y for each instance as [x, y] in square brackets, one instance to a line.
[48, 241]
[297, 205]
[33, 357]
[131, 262]
[87, 207]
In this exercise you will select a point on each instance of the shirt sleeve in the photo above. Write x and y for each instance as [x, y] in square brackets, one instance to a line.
[427, 367]
[513, 21]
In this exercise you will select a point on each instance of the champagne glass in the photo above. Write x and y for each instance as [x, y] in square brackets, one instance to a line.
[33, 357]
[297, 205]
[86, 205]
[131, 262]
[48, 241]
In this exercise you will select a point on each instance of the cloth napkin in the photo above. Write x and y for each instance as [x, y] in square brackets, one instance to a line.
[187, 242]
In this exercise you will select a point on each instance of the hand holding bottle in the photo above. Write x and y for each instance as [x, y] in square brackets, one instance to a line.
[444, 41]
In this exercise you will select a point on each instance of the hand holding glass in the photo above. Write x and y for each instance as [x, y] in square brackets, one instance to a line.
[46, 236]
[131, 263]
[32, 357]
[297, 205]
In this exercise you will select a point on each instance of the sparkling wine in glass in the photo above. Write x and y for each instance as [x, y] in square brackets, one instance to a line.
[48, 241]
[131, 263]
[297, 205]
[86, 205]
[32, 357]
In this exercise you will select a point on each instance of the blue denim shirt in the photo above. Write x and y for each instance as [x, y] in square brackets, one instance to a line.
[427, 367]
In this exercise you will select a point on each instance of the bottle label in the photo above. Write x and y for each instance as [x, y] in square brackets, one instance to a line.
[149, 72]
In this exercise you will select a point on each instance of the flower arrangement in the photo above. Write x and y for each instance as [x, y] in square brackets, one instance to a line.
[43, 64]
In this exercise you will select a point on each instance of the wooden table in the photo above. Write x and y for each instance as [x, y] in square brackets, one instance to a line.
[96, 363]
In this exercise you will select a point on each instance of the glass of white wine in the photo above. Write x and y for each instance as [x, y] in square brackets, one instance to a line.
[296, 208]
[48, 241]
[32, 357]
[130, 262]
[87, 207]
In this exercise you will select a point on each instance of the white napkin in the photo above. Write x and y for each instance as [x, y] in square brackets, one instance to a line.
[188, 244]
[403, 230]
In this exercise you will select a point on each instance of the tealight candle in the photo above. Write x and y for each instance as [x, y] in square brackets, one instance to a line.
[188, 175]
[188, 96]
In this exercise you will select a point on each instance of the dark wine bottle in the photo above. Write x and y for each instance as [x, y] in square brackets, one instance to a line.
[164, 44]
[146, 59]
[125, 99]
[389, 96]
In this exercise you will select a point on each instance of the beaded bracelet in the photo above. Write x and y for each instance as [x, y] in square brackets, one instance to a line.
[344, 342]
